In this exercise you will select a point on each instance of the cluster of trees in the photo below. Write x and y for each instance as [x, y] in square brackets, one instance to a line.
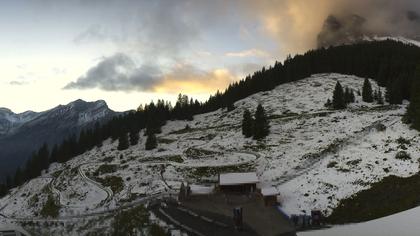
[389, 63]
[257, 127]
[343, 97]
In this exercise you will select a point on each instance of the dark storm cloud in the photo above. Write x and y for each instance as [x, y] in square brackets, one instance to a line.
[118, 72]
[357, 19]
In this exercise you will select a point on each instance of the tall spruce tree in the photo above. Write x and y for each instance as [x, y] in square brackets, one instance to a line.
[151, 142]
[247, 124]
[123, 141]
[367, 93]
[338, 97]
[348, 96]
[261, 125]
[134, 137]
[393, 91]
[18, 179]
[380, 98]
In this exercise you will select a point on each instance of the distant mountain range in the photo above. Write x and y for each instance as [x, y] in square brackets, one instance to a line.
[23, 133]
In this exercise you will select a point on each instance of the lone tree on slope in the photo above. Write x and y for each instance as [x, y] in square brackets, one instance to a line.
[247, 124]
[367, 94]
[151, 142]
[338, 97]
[261, 127]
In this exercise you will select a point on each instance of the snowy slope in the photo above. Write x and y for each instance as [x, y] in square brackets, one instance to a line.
[406, 222]
[313, 156]
[398, 39]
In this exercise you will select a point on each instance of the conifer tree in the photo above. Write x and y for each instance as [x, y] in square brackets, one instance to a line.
[380, 99]
[393, 92]
[348, 96]
[247, 124]
[123, 141]
[367, 95]
[54, 154]
[18, 180]
[413, 111]
[43, 155]
[261, 125]
[338, 97]
[151, 142]
[352, 97]
[134, 137]
[3, 190]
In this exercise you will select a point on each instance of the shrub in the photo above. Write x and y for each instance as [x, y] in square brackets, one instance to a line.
[104, 169]
[156, 230]
[130, 222]
[332, 164]
[116, 183]
[402, 141]
[50, 208]
[403, 155]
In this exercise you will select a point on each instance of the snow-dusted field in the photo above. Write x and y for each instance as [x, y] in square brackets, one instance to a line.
[313, 156]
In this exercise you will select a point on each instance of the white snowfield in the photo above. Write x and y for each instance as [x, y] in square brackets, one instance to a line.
[405, 223]
[313, 157]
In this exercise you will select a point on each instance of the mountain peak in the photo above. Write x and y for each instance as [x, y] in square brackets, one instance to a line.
[6, 110]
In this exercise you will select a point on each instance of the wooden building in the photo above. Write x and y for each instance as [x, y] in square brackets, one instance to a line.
[270, 196]
[238, 182]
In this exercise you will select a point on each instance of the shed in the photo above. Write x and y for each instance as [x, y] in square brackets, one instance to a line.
[238, 182]
[270, 196]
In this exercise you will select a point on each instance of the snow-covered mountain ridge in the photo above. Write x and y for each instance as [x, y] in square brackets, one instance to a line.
[21, 134]
[87, 112]
[314, 156]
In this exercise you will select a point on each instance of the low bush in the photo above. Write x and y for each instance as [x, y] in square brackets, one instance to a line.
[50, 208]
[403, 155]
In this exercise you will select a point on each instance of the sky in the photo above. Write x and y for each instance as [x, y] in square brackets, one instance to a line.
[130, 52]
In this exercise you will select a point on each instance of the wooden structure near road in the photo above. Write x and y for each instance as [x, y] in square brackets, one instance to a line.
[270, 196]
[238, 182]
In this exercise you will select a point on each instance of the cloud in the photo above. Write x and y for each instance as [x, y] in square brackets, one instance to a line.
[120, 73]
[94, 33]
[248, 53]
[18, 83]
[295, 24]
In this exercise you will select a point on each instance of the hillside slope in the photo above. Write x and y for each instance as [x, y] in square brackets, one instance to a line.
[313, 156]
